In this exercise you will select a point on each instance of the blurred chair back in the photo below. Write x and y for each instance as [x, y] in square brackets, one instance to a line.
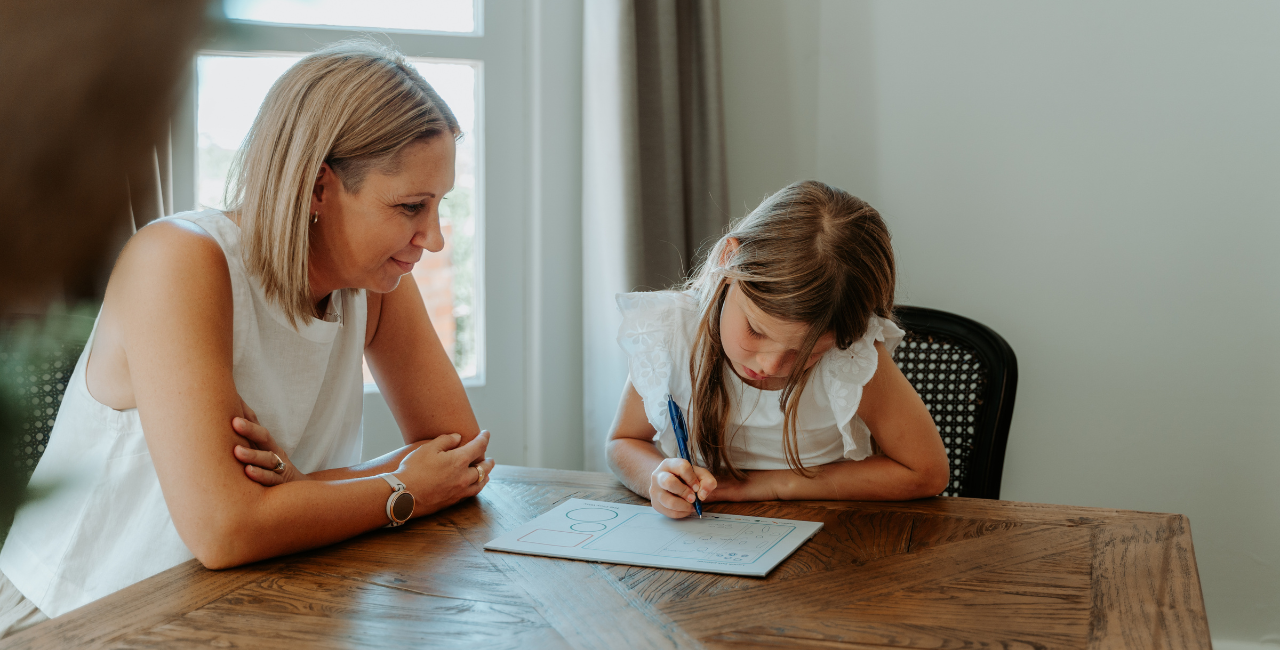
[967, 375]
[36, 376]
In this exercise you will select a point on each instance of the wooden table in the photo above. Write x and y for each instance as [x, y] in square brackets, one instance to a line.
[937, 573]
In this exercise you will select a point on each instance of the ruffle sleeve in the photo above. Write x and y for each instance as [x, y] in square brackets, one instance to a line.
[846, 372]
[656, 332]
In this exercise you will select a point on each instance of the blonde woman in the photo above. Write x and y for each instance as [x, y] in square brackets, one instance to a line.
[226, 358]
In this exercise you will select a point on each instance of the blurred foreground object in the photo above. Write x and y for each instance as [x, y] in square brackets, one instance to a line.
[89, 87]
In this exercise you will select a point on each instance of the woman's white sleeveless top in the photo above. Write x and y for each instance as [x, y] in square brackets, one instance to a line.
[657, 333]
[106, 525]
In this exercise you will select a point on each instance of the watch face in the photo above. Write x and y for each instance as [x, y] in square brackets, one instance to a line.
[402, 509]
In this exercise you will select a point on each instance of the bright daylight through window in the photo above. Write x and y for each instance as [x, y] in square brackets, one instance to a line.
[230, 90]
[456, 16]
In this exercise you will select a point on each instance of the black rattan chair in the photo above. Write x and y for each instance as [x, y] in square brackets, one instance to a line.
[967, 375]
[37, 379]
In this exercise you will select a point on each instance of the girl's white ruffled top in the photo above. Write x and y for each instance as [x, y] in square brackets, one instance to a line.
[657, 333]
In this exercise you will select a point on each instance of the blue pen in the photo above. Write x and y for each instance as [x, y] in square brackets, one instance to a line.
[682, 440]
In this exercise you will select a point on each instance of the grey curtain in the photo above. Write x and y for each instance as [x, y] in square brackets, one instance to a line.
[654, 182]
[151, 186]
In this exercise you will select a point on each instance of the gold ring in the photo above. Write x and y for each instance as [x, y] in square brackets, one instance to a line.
[279, 468]
[480, 471]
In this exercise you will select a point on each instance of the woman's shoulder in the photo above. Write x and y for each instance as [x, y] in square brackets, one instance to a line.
[171, 256]
[171, 243]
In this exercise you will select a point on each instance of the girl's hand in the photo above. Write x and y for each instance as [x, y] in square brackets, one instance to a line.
[440, 472]
[674, 483]
[260, 461]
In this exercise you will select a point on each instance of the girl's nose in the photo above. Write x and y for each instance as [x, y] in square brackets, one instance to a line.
[772, 364]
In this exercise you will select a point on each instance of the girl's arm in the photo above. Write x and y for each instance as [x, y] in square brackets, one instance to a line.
[170, 300]
[913, 465]
[668, 483]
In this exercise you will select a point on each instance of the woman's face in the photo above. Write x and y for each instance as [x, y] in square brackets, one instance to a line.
[370, 238]
[761, 348]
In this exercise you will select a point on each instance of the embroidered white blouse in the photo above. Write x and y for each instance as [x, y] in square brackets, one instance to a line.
[657, 333]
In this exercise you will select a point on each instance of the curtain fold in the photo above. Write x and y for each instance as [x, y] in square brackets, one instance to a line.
[151, 185]
[655, 189]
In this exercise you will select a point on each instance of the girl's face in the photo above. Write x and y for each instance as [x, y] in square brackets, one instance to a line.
[761, 348]
[369, 239]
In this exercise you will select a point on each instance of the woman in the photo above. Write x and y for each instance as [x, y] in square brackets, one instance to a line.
[230, 342]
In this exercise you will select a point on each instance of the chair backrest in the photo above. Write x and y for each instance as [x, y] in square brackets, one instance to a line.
[967, 375]
[38, 378]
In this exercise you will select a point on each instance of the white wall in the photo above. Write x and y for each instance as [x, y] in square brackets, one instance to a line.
[1097, 182]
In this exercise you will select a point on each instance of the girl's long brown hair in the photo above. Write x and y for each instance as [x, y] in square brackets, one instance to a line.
[810, 253]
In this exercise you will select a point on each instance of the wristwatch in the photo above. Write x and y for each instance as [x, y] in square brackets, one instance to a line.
[399, 504]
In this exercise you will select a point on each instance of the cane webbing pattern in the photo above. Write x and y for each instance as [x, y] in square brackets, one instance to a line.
[39, 382]
[950, 377]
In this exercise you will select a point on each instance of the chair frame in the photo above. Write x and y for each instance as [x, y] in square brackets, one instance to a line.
[986, 461]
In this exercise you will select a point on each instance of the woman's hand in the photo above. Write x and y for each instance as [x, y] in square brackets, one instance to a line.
[441, 472]
[673, 485]
[260, 461]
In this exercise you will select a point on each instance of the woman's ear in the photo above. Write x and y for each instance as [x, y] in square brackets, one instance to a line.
[730, 248]
[324, 188]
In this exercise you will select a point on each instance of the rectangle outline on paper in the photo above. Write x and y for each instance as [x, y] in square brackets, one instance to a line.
[586, 536]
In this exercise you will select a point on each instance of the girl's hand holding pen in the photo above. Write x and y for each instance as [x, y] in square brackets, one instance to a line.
[673, 485]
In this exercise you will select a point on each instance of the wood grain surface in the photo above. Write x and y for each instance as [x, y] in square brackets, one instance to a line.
[936, 573]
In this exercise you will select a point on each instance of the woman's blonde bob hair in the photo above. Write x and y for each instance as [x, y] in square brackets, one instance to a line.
[354, 105]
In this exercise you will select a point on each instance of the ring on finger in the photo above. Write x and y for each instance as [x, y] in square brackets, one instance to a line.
[480, 473]
[279, 468]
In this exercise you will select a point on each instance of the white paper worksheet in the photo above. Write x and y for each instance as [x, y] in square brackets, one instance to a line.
[625, 534]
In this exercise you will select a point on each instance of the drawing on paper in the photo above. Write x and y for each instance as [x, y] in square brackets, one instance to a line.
[591, 514]
[554, 538]
[706, 540]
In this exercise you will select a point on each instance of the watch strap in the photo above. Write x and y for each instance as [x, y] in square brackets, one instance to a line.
[398, 487]
[394, 482]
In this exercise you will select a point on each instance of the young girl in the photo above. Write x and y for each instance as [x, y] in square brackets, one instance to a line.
[778, 350]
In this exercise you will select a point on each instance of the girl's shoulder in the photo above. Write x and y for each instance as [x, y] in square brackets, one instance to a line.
[657, 332]
[845, 372]
[857, 363]
[663, 319]
[657, 302]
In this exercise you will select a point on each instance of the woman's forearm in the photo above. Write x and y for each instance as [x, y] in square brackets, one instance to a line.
[877, 478]
[292, 517]
[388, 462]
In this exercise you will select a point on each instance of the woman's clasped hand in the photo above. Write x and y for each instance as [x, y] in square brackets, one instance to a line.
[443, 470]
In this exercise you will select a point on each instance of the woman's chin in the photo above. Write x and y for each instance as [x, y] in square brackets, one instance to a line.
[383, 284]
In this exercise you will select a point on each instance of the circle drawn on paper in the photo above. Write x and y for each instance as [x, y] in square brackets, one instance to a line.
[588, 527]
[591, 514]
